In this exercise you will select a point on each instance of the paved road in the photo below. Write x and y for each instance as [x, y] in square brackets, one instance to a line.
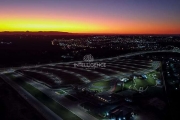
[45, 111]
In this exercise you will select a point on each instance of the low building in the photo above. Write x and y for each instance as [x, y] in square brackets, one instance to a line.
[121, 113]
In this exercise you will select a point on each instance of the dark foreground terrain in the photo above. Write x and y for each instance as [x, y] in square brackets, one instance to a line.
[14, 107]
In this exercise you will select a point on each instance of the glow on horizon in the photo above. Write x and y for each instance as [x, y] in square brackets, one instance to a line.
[83, 27]
[46, 26]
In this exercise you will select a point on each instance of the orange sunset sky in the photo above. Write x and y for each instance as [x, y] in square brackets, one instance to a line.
[103, 16]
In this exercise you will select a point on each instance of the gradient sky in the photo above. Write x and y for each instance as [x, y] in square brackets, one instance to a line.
[91, 16]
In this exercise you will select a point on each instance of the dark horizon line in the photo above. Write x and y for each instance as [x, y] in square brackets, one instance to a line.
[85, 33]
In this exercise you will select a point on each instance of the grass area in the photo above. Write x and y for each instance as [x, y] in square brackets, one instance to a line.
[101, 83]
[100, 86]
[138, 82]
[118, 88]
[128, 84]
[96, 89]
[50, 103]
[150, 81]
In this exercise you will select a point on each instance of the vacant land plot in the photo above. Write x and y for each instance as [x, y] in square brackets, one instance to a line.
[40, 77]
[100, 86]
[66, 78]
[87, 74]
